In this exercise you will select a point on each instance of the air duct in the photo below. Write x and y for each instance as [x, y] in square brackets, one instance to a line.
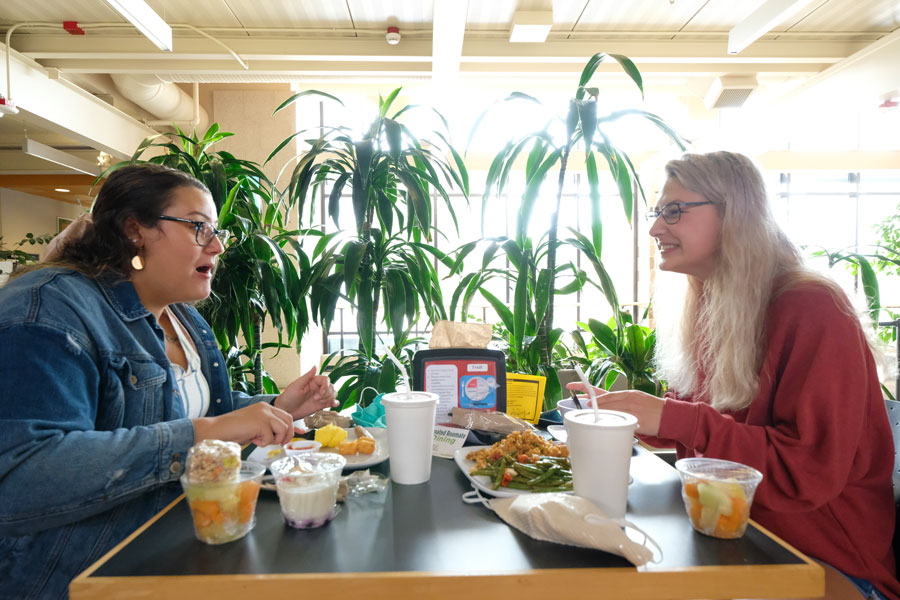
[730, 91]
[162, 99]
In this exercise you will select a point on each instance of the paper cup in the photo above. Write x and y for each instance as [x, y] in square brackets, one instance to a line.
[600, 452]
[409, 417]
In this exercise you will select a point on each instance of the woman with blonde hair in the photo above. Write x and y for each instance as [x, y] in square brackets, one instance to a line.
[768, 365]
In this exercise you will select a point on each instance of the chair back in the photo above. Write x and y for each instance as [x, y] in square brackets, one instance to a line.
[893, 412]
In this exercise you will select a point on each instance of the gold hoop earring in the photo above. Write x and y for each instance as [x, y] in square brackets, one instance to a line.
[137, 263]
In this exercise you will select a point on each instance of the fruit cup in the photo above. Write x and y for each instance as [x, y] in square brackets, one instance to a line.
[224, 511]
[717, 495]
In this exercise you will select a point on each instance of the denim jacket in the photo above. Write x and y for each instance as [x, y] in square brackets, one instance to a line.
[92, 434]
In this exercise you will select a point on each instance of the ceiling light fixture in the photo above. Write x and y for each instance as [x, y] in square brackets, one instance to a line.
[64, 190]
[760, 21]
[531, 25]
[392, 36]
[64, 159]
[148, 22]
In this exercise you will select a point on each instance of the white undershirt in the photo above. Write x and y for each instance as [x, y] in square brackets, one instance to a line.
[190, 384]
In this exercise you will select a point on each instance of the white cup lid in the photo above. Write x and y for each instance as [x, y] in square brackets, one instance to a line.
[608, 419]
[409, 399]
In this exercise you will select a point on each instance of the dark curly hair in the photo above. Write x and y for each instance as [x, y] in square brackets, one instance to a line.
[141, 191]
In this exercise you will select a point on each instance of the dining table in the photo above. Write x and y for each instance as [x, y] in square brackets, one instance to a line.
[424, 541]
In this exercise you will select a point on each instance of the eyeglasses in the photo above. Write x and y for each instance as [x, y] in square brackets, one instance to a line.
[204, 232]
[671, 213]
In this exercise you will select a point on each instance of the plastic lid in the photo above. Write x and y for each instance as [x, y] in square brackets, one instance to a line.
[610, 419]
[409, 399]
[308, 464]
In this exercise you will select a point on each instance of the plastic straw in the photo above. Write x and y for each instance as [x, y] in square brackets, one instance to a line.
[590, 390]
[403, 374]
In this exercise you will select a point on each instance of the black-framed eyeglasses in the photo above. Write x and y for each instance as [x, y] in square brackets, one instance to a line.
[204, 232]
[671, 213]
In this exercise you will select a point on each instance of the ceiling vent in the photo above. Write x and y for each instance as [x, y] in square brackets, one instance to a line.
[730, 91]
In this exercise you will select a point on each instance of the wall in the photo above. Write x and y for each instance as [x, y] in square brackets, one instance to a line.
[22, 213]
[248, 114]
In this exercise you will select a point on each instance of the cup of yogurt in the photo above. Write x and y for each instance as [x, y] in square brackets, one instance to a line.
[307, 487]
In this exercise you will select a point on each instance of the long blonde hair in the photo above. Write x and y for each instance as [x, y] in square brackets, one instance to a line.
[721, 329]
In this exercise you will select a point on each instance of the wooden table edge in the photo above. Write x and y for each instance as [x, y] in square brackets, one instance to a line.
[770, 581]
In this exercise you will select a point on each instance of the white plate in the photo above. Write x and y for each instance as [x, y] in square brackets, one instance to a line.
[266, 455]
[359, 461]
[482, 482]
[558, 432]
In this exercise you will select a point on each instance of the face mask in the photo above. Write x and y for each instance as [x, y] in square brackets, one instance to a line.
[570, 520]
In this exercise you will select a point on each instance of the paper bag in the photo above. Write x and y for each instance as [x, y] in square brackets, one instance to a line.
[452, 334]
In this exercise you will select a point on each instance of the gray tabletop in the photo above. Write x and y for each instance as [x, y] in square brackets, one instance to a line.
[427, 527]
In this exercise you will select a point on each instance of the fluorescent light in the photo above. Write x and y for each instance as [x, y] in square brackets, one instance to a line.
[531, 25]
[148, 22]
[447, 41]
[64, 190]
[760, 21]
[38, 150]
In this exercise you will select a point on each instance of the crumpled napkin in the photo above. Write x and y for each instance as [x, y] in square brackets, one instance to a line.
[574, 521]
[370, 416]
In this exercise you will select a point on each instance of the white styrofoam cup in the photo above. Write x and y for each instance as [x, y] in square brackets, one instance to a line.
[600, 452]
[409, 417]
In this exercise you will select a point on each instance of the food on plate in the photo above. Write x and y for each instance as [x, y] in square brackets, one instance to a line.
[524, 461]
[365, 445]
[213, 461]
[330, 436]
[546, 474]
[275, 453]
[307, 487]
[362, 433]
[347, 447]
[717, 508]
[519, 443]
[321, 418]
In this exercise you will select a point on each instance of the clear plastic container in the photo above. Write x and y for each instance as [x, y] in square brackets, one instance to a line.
[224, 511]
[717, 495]
[307, 487]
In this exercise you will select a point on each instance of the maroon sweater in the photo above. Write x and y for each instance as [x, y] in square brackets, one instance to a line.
[818, 432]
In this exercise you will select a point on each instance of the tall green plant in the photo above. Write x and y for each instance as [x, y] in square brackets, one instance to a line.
[547, 154]
[264, 270]
[392, 175]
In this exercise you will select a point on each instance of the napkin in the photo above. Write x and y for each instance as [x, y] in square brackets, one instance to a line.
[370, 416]
[573, 521]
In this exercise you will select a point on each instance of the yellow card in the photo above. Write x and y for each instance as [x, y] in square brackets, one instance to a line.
[525, 396]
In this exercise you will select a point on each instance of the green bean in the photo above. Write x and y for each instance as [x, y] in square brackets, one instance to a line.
[546, 475]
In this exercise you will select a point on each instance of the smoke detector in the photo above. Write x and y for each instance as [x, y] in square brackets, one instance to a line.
[7, 107]
[730, 91]
[392, 36]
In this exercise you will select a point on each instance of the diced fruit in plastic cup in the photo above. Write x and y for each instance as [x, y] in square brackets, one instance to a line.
[224, 511]
[717, 495]
[307, 487]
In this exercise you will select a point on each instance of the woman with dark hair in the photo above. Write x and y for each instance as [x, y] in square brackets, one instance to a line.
[109, 377]
[769, 365]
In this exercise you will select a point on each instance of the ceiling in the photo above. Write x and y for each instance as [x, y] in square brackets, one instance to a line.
[676, 44]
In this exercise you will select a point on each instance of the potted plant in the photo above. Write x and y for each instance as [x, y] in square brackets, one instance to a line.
[535, 286]
[264, 270]
[386, 179]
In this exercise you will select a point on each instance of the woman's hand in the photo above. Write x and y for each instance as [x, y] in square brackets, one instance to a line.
[307, 394]
[646, 407]
[260, 423]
